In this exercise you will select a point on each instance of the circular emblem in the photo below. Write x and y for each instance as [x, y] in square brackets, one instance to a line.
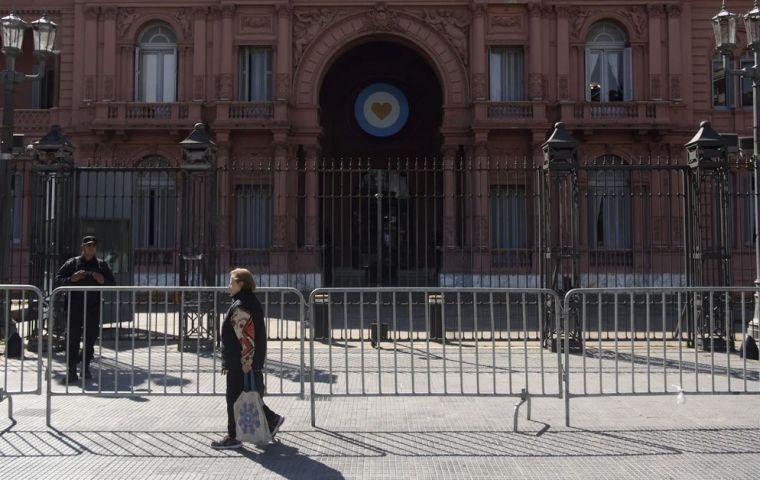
[381, 110]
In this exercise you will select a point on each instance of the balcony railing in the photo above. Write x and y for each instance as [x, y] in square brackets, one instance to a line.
[511, 113]
[243, 114]
[620, 113]
[32, 120]
[137, 114]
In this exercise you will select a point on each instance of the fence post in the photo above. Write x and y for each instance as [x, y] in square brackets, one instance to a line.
[709, 249]
[561, 206]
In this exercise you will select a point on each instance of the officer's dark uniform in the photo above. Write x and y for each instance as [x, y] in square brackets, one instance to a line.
[77, 308]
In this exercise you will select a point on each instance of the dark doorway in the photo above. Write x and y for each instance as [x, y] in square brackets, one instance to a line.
[381, 193]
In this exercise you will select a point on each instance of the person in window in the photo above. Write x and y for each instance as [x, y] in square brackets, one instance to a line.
[244, 348]
[596, 92]
[85, 270]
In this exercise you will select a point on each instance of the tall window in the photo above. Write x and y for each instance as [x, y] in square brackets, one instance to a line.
[608, 64]
[254, 217]
[17, 207]
[508, 225]
[609, 194]
[722, 85]
[256, 74]
[43, 90]
[749, 210]
[748, 60]
[156, 65]
[507, 74]
[156, 205]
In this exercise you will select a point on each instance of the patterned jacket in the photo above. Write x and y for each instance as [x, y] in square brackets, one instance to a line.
[244, 336]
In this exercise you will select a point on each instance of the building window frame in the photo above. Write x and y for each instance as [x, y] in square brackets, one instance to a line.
[506, 73]
[607, 46]
[256, 66]
[156, 50]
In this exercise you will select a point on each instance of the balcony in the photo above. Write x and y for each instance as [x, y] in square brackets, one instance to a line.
[616, 114]
[510, 114]
[244, 115]
[33, 122]
[138, 115]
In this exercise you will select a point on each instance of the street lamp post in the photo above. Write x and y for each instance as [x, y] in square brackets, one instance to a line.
[724, 27]
[13, 28]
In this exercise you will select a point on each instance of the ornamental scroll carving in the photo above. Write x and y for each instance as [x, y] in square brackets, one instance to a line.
[183, 18]
[380, 19]
[307, 24]
[578, 18]
[638, 16]
[255, 23]
[127, 17]
[454, 25]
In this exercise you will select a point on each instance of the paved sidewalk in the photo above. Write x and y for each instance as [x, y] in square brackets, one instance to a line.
[96, 437]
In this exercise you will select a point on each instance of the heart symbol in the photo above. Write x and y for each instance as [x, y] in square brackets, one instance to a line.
[382, 110]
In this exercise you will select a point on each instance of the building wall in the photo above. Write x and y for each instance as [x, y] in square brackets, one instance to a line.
[671, 46]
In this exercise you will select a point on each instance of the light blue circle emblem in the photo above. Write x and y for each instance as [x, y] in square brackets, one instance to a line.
[381, 110]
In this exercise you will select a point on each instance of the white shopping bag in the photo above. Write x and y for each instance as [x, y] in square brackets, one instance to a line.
[250, 421]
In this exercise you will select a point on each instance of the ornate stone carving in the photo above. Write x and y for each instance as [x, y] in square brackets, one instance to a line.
[254, 23]
[454, 25]
[110, 12]
[307, 25]
[479, 89]
[185, 22]
[199, 12]
[546, 11]
[127, 17]
[638, 18]
[534, 10]
[675, 87]
[505, 23]
[198, 87]
[224, 86]
[578, 20]
[674, 11]
[655, 11]
[108, 93]
[563, 87]
[91, 12]
[381, 19]
[564, 11]
[228, 10]
[479, 9]
[535, 86]
[283, 86]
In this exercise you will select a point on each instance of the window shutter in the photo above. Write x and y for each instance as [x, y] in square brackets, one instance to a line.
[588, 75]
[138, 62]
[244, 69]
[628, 71]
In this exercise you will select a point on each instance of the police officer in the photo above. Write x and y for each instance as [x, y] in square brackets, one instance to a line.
[85, 270]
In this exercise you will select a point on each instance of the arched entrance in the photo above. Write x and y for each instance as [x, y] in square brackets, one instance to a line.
[381, 180]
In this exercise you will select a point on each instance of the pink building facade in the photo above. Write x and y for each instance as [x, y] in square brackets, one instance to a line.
[632, 81]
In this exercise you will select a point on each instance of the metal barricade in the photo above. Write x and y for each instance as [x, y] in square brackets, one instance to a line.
[21, 323]
[141, 344]
[433, 342]
[634, 341]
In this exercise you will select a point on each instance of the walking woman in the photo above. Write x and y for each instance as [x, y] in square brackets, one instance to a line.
[244, 348]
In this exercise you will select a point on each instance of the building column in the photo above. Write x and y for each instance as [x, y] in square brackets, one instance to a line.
[674, 51]
[655, 51]
[90, 62]
[563, 53]
[480, 237]
[535, 77]
[199, 54]
[227, 53]
[280, 240]
[282, 63]
[479, 54]
[109, 53]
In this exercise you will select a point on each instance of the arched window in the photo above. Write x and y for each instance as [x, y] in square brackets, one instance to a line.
[156, 65]
[156, 204]
[608, 64]
[609, 194]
